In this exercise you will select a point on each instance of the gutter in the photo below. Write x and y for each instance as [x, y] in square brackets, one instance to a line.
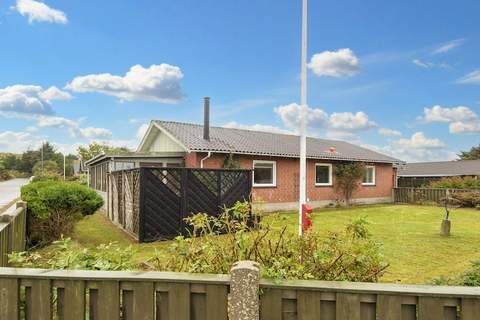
[208, 156]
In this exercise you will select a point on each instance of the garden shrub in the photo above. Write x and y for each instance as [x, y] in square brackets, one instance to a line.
[64, 254]
[54, 206]
[456, 183]
[347, 255]
[470, 199]
[470, 278]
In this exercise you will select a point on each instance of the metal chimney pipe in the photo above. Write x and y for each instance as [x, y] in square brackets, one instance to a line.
[206, 118]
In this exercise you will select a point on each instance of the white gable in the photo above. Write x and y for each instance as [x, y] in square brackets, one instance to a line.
[156, 140]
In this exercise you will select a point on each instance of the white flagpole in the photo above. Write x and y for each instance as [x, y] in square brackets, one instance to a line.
[303, 118]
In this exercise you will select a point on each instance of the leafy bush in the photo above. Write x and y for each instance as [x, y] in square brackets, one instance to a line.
[347, 179]
[348, 255]
[470, 278]
[456, 183]
[54, 206]
[467, 199]
[65, 255]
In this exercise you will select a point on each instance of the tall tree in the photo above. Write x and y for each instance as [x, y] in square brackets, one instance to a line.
[473, 154]
[347, 179]
[94, 149]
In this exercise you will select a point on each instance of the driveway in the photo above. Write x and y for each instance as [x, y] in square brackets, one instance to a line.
[10, 190]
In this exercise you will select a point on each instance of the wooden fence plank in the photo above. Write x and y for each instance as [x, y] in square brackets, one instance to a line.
[179, 301]
[430, 308]
[74, 300]
[271, 304]
[389, 307]
[127, 305]
[470, 309]
[348, 306]
[108, 300]
[161, 301]
[368, 311]
[217, 302]
[143, 301]
[198, 307]
[9, 299]
[308, 305]
[39, 302]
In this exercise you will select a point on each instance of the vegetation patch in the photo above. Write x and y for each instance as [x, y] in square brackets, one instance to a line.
[54, 207]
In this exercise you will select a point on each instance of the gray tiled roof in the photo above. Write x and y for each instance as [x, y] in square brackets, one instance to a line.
[265, 143]
[444, 168]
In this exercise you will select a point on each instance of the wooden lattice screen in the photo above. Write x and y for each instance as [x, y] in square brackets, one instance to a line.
[151, 203]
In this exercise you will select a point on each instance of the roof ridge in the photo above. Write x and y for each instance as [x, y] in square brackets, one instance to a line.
[247, 130]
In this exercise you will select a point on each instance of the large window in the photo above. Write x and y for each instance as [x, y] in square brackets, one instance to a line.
[323, 174]
[369, 176]
[264, 173]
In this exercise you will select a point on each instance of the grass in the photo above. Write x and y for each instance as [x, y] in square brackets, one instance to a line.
[409, 235]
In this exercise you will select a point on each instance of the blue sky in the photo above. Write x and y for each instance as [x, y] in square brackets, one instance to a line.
[401, 77]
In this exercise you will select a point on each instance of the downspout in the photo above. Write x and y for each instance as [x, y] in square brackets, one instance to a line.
[209, 154]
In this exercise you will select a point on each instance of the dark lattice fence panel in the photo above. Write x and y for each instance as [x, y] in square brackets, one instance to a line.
[152, 203]
[169, 195]
[162, 211]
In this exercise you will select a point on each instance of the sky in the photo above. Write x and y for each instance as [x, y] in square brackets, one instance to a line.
[399, 77]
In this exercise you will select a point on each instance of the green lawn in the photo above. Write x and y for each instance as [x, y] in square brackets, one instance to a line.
[409, 234]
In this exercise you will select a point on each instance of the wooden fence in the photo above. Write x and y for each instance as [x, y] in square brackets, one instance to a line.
[12, 232]
[59, 294]
[424, 195]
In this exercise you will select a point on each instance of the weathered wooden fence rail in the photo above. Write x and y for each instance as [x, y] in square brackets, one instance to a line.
[59, 294]
[13, 232]
[424, 195]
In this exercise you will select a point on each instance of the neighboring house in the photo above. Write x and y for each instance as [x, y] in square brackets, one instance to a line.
[422, 173]
[274, 159]
[102, 164]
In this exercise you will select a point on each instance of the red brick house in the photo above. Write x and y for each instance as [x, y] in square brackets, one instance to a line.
[274, 159]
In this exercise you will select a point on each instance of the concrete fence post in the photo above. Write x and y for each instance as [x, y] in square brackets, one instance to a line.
[243, 300]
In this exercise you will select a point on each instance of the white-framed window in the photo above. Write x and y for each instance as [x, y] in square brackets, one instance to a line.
[264, 173]
[323, 174]
[369, 176]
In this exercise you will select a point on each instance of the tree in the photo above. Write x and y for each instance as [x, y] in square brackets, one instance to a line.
[30, 158]
[94, 149]
[230, 162]
[48, 168]
[473, 154]
[347, 179]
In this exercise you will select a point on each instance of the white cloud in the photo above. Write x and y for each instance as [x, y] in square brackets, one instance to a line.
[290, 116]
[341, 63]
[142, 130]
[438, 113]
[422, 64]
[386, 132]
[337, 125]
[351, 121]
[56, 122]
[445, 47]
[95, 133]
[465, 127]
[30, 99]
[37, 11]
[419, 141]
[53, 93]
[418, 148]
[160, 83]
[17, 141]
[256, 127]
[471, 78]
[461, 119]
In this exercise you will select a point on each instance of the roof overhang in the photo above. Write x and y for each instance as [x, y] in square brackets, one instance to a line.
[132, 156]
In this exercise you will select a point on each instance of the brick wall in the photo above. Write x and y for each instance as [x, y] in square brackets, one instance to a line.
[286, 189]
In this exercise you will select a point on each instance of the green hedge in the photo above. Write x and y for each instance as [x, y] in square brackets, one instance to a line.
[54, 206]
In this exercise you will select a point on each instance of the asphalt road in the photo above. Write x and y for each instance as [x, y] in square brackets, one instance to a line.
[10, 190]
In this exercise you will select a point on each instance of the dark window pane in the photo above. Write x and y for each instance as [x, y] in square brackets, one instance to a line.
[263, 173]
[322, 174]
